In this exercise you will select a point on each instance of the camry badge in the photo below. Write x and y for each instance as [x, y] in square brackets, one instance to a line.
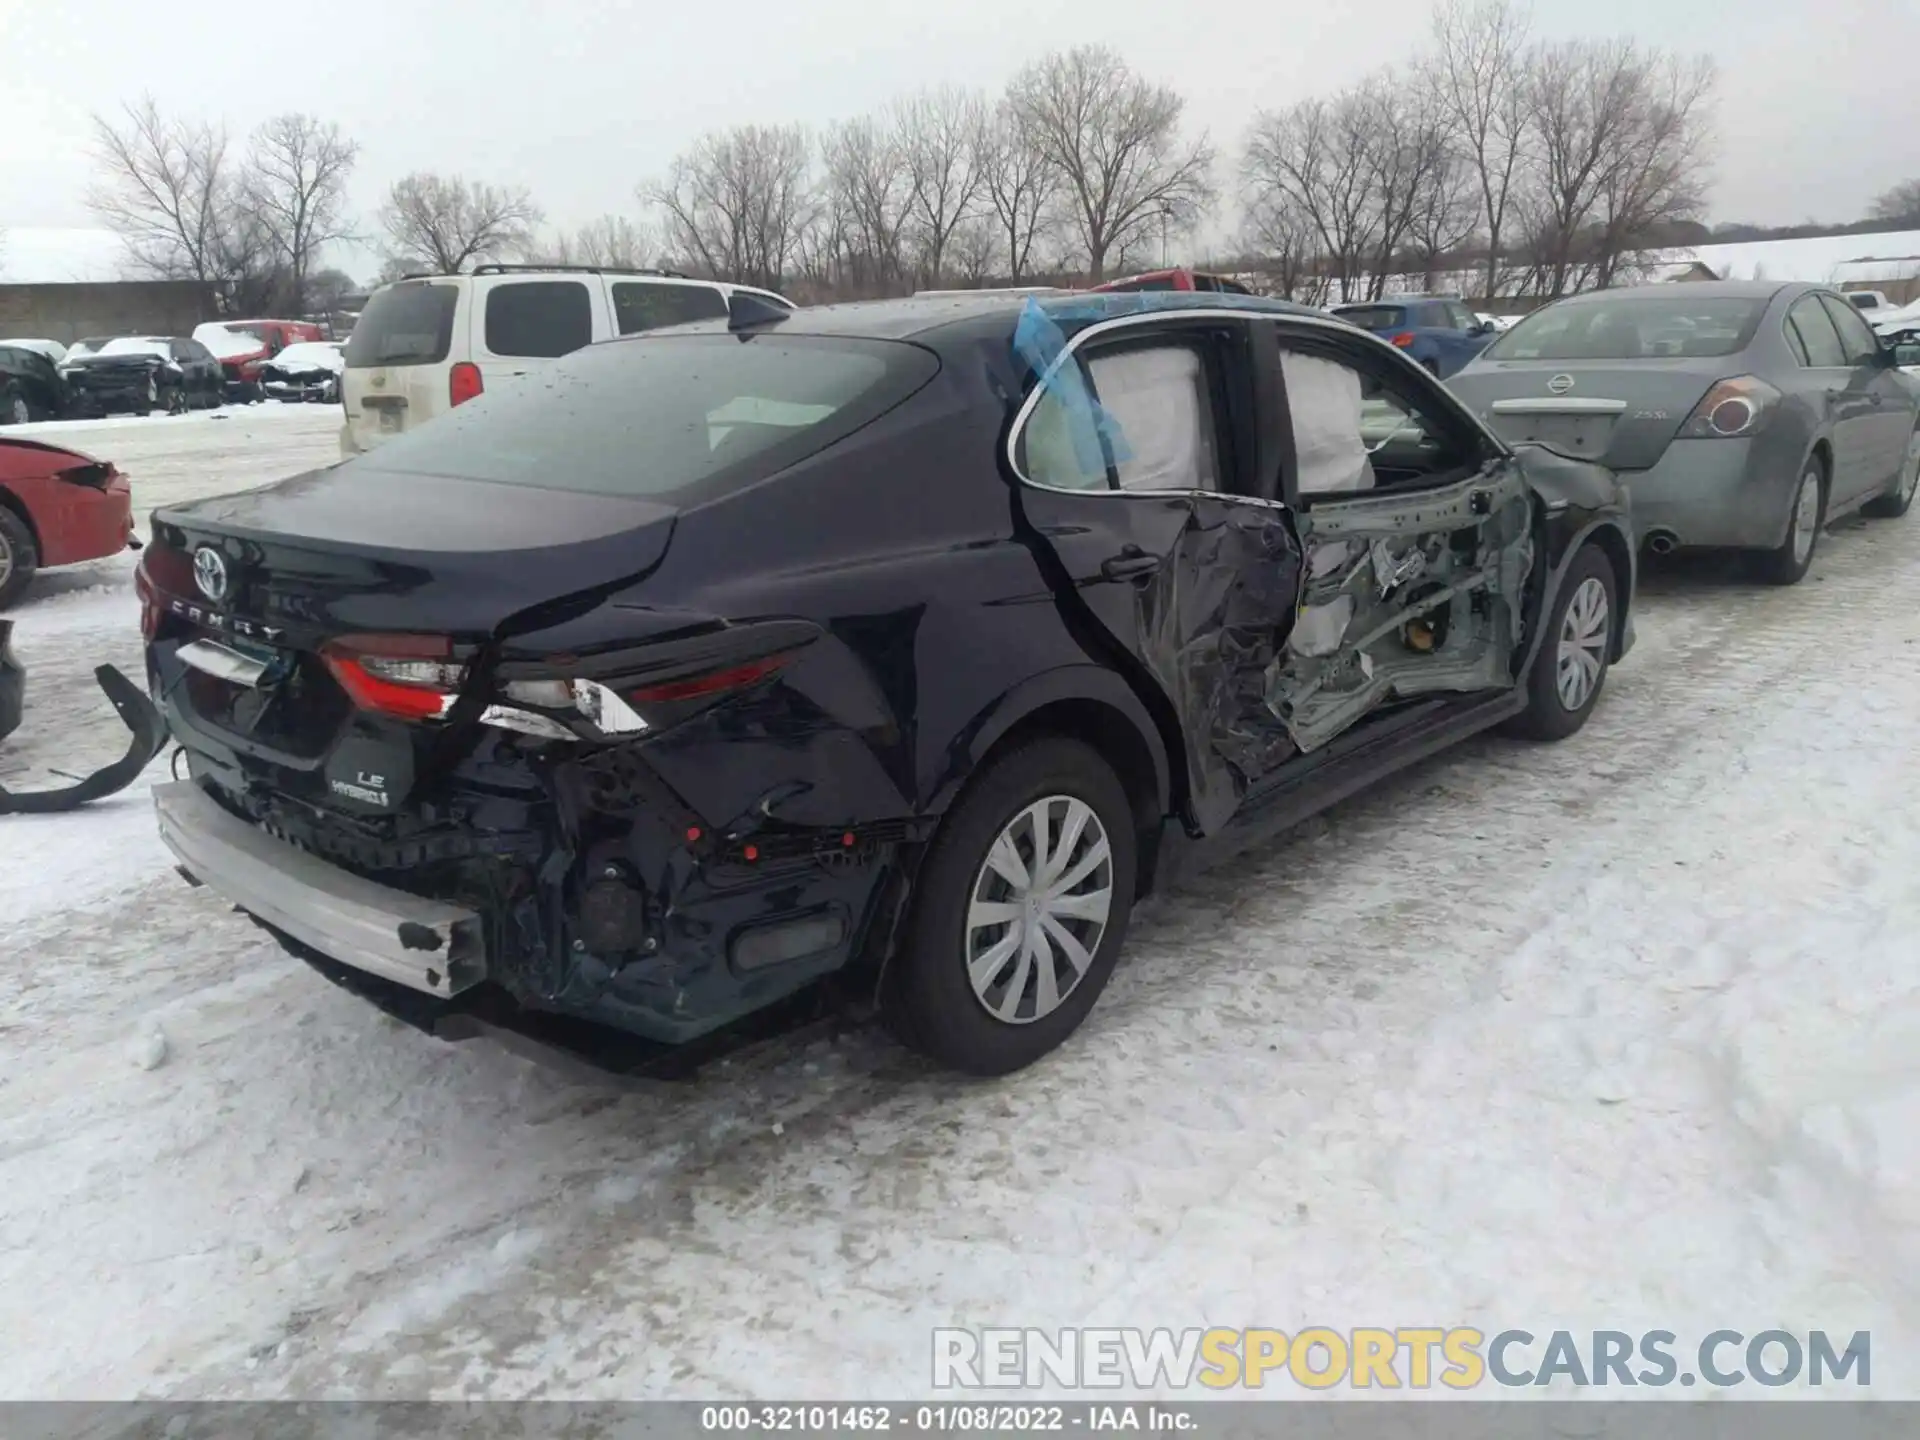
[210, 573]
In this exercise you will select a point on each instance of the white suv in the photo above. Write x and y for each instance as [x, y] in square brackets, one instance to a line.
[426, 343]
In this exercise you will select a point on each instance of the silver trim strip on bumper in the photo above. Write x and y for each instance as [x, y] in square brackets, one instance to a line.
[1559, 405]
[426, 945]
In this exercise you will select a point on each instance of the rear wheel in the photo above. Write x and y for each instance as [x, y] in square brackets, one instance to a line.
[1893, 503]
[1788, 564]
[144, 405]
[19, 556]
[1575, 648]
[1022, 910]
[14, 409]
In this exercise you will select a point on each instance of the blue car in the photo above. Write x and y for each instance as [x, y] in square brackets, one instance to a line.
[1437, 330]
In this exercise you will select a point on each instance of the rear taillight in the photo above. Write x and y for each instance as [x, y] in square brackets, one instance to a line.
[410, 677]
[152, 612]
[1732, 410]
[464, 383]
[1402, 340]
[715, 682]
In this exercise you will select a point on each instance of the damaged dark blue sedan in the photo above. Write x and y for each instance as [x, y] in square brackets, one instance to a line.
[908, 643]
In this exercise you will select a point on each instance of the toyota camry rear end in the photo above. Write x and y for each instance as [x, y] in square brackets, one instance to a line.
[455, 720]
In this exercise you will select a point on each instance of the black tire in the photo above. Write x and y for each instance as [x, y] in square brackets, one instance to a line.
[927, 998]
[1893, 502]
[1548, 716]
[1781, 566]
[19, 556]
[15, 408]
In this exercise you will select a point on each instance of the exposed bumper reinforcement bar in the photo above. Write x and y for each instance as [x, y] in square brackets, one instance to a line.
[425, 945]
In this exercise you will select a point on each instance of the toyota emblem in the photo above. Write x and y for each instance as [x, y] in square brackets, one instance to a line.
[1559, 384]
[210, 573]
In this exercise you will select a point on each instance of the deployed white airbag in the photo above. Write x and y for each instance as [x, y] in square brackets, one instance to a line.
[1158, 400]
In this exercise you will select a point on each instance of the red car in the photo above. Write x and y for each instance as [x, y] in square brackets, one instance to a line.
[243, 346]
[57, 507]
[1175, 280]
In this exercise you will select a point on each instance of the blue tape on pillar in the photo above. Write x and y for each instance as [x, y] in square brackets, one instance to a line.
[1039, 340]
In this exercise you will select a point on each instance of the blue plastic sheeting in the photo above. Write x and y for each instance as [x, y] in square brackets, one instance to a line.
[1039, 340]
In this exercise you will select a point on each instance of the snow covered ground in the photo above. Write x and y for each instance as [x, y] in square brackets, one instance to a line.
[1622, 1032]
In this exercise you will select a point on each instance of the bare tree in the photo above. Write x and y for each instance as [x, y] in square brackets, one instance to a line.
[867, 188]
[974, 250]
[1404, 139]
[1315, 160]
[1900, 205]
[296, 185]
[1284, 243]
[449, 222]
[165, 188]
[618, 242]
[1115, 139]
[1581, 97]
[734, 205]
[1657, 175]
[1445, 211]
[1021, 183]
[612, 241]
[1479, 75]
[941, 134]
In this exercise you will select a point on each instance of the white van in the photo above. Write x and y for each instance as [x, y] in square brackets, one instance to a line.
[426, 343]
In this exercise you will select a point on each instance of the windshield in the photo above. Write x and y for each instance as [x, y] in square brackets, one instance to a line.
[314, 355]
[137, 346]
[1633, 327]
[666, 414]
[1373, 317]
[227, 343]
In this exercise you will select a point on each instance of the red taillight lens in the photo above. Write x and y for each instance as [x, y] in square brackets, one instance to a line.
[464, 383]
[1403, 339]
[151, 610]
[714, 682]
[410, 677]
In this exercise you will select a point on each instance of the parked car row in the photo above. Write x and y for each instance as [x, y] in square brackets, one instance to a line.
[141, 374]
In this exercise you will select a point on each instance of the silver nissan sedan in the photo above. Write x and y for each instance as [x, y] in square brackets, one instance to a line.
[1740, 414]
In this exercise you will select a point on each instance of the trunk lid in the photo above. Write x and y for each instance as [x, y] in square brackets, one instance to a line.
[1623, 414]
[239, 643]
[353, 548]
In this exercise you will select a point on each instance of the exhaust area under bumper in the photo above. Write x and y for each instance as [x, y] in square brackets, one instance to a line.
[425, 945]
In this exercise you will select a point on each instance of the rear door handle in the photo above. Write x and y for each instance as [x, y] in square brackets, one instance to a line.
[1131, 563]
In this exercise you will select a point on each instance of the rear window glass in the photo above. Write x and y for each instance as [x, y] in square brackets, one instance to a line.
[407, 324]
[539, 317]
[642, 305]
[665, 415]
[1135, 287]
[1633, 327]
[1374, 317]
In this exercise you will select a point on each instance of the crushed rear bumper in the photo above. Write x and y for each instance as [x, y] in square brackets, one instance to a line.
[426, 945]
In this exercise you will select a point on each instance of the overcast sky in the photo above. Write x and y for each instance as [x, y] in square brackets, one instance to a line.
[579, 101]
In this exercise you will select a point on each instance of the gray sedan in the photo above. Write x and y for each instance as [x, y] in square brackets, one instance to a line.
[1739, 414]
